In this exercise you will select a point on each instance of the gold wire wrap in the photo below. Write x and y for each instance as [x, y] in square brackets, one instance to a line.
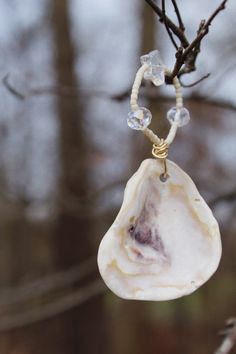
[160, 151]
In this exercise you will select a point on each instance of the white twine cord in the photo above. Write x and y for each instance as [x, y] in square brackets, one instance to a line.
[136, 86]
[134, 105]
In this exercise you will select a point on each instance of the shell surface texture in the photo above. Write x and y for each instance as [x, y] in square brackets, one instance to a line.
[165, 242]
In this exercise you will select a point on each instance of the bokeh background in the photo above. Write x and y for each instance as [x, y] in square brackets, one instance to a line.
[66, 152]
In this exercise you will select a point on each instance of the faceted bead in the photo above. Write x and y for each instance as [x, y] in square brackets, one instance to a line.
[139, 119]
[156, 71]
[180, 116]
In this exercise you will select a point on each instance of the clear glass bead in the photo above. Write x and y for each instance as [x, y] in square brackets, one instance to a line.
[152, 58]
[156, 71]
[180, 116]
[156, 74]
[139, 119]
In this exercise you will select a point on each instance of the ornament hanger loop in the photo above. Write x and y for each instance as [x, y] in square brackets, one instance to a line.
[139, 118]
[138, 258]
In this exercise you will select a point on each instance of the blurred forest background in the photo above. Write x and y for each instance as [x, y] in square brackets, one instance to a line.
[66, 153]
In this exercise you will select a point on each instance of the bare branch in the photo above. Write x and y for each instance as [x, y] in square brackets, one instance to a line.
[175, 29]
[215, 13]
[60, 90]
[204, 29]
[11, 88]
[187, 51]
[71, 91]
[215, 102]
[181, 24]
[166, 25]
[190, 62]
[195, 82]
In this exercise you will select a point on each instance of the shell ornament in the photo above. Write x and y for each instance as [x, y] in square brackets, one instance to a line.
[165, 242]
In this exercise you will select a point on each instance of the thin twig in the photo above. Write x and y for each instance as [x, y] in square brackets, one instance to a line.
[175, 29]
[190, 62]
[195, 82]
[72, 91]
[221, 7]
[166, 25]
[181, 24]
[204, 31]
[187, 52]
[11, 88]
[60, 90]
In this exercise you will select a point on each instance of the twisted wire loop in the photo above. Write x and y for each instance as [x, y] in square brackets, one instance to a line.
[160, 151]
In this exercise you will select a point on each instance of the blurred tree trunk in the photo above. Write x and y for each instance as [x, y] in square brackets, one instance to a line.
[82, 329]
[131, 314]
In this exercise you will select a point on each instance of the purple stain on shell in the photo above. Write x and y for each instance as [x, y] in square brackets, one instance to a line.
[143, 233]
[144, 237]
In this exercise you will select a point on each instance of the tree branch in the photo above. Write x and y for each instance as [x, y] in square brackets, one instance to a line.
[203, 30]
[181, 24]
[11, 88]
[166, 25]
[71, 91]
[175, 29]
[187, 52]
[195, 82]
[60, 90]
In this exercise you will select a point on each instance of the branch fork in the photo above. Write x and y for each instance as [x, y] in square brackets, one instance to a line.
[186, 51]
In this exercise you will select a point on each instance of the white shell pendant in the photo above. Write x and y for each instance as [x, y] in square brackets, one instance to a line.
[165, 242]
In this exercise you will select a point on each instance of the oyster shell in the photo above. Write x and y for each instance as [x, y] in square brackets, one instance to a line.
[165, 241]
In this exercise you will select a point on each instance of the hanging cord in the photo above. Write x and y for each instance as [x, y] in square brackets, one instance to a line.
[160, 145]
[154, 138]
